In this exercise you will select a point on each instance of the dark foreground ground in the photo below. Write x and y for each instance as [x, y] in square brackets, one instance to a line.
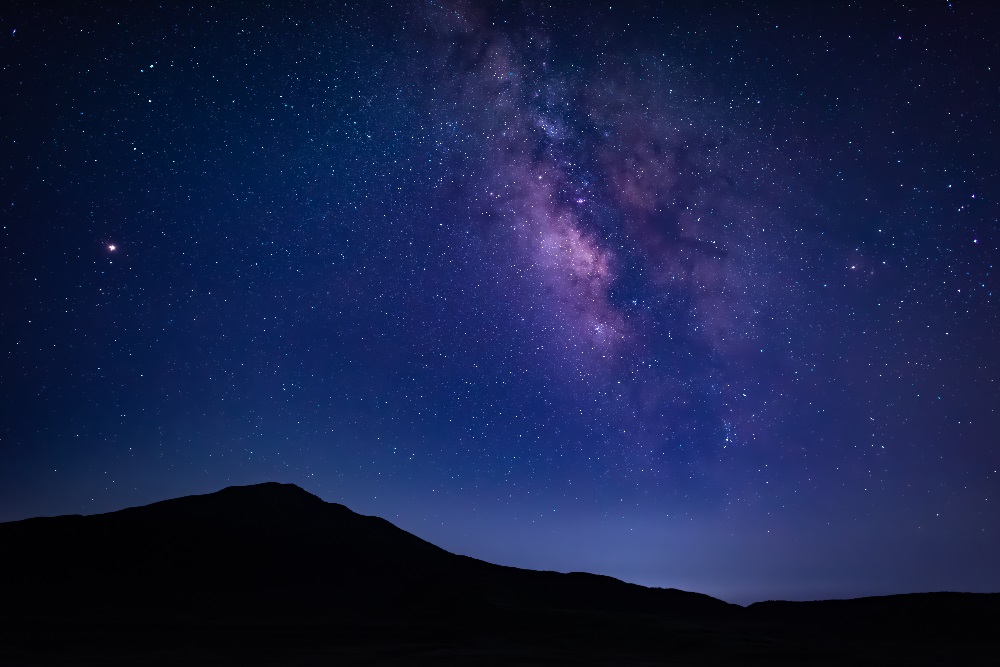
[506, 638]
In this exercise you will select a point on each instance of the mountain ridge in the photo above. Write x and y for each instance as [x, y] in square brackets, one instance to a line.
[260, 500]
[272, 541]
[273, 568]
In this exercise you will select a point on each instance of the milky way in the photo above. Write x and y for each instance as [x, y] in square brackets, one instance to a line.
[625, 203]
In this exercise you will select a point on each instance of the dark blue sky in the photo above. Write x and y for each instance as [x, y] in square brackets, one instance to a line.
[696, 295]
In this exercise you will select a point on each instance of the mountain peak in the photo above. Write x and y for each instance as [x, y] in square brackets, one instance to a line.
[274, 490]
[264, 502]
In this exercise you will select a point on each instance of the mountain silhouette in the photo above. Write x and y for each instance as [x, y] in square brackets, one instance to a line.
[272, 569]
[275, 544]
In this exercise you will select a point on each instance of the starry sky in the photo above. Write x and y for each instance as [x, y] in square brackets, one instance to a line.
[691, 294]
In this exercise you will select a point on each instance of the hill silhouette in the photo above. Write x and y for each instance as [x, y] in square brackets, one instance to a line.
[271, 544]
[271, 569]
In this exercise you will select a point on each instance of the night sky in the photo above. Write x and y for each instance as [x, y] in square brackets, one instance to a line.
[693, 295]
